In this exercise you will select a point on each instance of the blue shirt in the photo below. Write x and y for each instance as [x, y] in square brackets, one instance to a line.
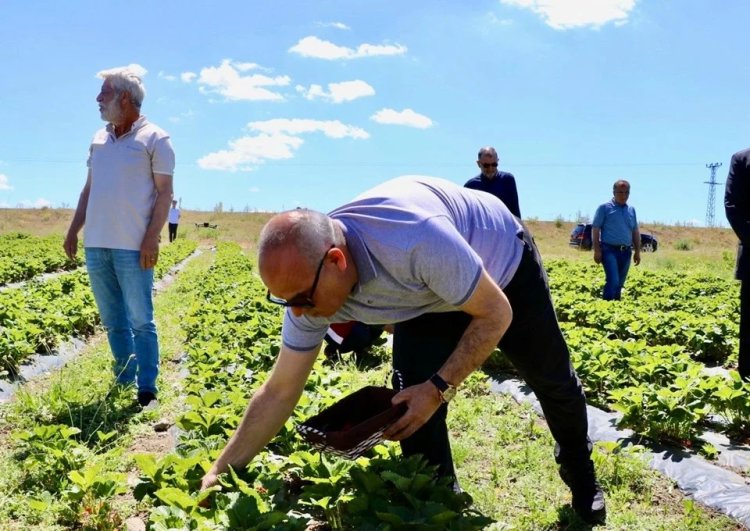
[502, 186]
[616, 222]
[419, 245]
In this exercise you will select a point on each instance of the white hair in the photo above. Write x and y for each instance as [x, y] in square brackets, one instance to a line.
[127, 79]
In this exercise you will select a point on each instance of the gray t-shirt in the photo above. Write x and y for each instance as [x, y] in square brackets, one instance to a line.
[419, 245]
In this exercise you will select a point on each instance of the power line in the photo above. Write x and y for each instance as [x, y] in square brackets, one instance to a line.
[711, 193]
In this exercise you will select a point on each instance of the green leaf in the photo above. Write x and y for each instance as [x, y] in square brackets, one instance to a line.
[177, 498]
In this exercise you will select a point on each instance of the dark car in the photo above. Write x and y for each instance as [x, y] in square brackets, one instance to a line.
[581, 237]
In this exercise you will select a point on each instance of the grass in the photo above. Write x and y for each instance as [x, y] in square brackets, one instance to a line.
[503, 450]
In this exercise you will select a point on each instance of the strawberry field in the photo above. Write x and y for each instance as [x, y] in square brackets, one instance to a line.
[78, 454]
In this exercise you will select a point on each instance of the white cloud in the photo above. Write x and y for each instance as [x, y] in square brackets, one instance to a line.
[187, 115]
[320, 49]
[275, 140]
[5, 182]
[338, 92]
[168, 77]
[226, 80]
[337, 25]
[567, 14]
[244, 67]
[249, 151]
[135, 68]
[296, 126]
[253, 189]
[188, 77]
[406, 117]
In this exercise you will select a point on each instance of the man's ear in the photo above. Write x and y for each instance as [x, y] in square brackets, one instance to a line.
[338, 257]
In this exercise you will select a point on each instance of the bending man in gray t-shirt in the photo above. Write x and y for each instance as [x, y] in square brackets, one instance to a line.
[455, 269]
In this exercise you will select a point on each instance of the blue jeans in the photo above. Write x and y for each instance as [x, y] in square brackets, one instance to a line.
[616, 262]
[122, 290]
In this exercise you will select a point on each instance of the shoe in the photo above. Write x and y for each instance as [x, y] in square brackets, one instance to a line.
[146, 398]
[588, 496]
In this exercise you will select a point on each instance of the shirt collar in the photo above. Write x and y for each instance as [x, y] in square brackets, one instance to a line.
[140, 122]
[358, 250]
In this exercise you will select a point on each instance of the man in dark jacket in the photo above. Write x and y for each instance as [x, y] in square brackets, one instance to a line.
[501, 184]
[737, 207]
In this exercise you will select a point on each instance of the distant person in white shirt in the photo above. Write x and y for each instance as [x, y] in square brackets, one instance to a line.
[174, 219]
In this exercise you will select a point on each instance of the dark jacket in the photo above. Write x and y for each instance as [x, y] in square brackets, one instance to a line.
[503, 186]
[737, 207]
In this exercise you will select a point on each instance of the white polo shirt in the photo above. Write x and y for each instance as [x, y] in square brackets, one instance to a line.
[122, 194]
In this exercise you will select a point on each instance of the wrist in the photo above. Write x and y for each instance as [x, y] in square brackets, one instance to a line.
[445, 389]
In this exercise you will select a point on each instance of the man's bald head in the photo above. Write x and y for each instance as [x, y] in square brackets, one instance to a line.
[302, 255]
[307, 232]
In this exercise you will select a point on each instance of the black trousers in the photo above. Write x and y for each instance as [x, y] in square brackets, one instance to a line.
[172, 231]
[533, 343]
[744, 355]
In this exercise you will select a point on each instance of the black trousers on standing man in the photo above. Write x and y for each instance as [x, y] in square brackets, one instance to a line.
[743, 366]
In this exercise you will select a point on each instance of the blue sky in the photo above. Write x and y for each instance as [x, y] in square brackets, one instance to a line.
[273, 105]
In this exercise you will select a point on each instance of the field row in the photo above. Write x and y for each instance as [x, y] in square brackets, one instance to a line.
[36, 317]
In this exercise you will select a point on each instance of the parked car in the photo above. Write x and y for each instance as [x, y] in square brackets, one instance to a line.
[581, 237]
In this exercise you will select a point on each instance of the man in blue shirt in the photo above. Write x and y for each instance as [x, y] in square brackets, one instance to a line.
[501, 184]
[458, 273]
[615, 235]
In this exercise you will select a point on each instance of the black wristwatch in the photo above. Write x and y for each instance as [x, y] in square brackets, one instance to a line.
[447, 391]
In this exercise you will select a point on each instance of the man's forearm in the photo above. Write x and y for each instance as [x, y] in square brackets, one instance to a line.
[477, 343]
[159, 214]
[79, 218]
[637, 240]
[264, 417]
[595, 235]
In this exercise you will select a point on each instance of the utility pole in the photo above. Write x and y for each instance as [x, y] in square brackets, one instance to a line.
[711, 193]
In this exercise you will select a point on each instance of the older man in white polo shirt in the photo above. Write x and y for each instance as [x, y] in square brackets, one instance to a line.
[124, 205]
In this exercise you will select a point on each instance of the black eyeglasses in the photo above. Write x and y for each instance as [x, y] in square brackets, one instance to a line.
[303, 300]
[488, 165]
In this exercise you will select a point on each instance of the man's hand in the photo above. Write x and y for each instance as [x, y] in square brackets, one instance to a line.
[637, 257]
[71, 245]
[210, 479]
[149, 252]
[422, 400]
[598, 256]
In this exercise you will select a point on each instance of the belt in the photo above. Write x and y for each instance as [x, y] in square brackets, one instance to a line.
[618, 247]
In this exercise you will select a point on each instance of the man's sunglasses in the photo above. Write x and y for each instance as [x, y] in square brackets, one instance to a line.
[488, 165]
[303, 300]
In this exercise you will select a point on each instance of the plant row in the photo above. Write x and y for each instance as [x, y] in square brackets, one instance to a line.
[23, 257]
[36, 317]
[697, 313]
[662, 392]
[689, 291]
